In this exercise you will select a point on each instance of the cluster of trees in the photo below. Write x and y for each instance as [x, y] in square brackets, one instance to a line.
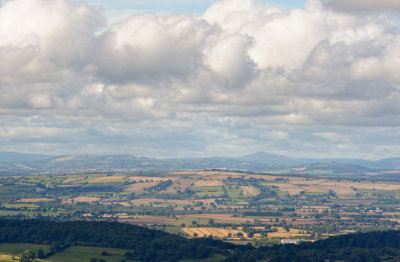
[159, 187]
[145, 244]
[360, 247]
[152, 245]
[262, 214]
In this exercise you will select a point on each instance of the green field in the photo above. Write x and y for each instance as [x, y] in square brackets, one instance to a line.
[16, 249]
[214, 258]
[207, 189]
[72, 254]
[233, 192]
[210, 194]
[83, 254]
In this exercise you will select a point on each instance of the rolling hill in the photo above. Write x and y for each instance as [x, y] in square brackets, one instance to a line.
[17, 163]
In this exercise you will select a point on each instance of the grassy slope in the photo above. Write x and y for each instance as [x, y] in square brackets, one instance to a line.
[16, 249]
[214, 258]
[75, 253]
[83, 254]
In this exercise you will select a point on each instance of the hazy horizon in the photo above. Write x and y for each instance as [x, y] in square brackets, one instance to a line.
[316, 157]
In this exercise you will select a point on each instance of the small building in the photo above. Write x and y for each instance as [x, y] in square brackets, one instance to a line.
[348, 231]
[291, 241]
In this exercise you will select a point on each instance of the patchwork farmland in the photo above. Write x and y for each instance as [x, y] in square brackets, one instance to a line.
[234, 206]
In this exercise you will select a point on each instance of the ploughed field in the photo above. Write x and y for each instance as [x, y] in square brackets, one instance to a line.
[234, 206]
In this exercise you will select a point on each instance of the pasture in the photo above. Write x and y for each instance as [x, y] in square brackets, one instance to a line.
[250, 191]
[140, 187]
[16, 249]
[178, 186]
[83, 254]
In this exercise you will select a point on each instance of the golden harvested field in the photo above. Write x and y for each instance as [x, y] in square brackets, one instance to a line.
[7, 258]
[291, 189]
[107, 179]
[340, 190]
[317, 186]
[282, 233]
[84, 199]
[208, 183]
[114, 202]
[298, 221]
[221, 217]
[140, 186]
[250, 191]
[180, 185]
[211, 175]
[308, 182]
[263, 177]
[34, 200]
[206, 231]
[294, 187]
[316, 207]
[366, 185]
[149, 179]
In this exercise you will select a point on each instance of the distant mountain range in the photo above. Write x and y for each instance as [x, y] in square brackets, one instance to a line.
[25, 164]
[273, 159]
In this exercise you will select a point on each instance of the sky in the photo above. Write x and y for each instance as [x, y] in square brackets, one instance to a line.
[176, 78]
[174, 6]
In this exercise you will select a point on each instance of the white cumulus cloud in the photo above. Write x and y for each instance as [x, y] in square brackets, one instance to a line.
[242, 71]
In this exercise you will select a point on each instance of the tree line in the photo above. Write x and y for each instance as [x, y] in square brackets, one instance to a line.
[144, 244]
[153, 245]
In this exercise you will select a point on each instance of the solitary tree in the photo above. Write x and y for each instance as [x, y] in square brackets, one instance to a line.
[27, 256]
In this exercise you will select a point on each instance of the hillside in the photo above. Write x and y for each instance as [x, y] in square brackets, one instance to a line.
[261, 162]
[145, 244]
[373, 246]
[152, 245]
